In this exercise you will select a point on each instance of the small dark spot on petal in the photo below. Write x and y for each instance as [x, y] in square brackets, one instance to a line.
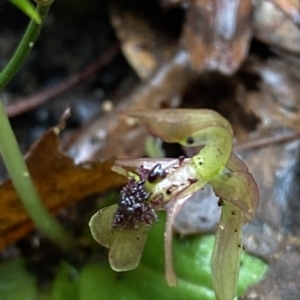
[190, 140]
[220, 202]
[233, 213]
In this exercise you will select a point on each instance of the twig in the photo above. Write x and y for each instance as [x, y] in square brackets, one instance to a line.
[267, 141]
[25, 104]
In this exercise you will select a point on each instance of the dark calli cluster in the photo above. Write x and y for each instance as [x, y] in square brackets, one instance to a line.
[133, 205]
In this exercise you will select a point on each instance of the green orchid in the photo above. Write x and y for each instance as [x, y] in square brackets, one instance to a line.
[166, 184]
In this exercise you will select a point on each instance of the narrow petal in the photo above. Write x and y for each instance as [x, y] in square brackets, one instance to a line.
[227, 252]
[172, 211]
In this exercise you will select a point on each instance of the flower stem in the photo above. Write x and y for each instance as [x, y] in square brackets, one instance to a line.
[24, 47]
[23, 183]
[10, 150]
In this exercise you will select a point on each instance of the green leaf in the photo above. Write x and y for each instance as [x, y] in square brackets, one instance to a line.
[100, 282]
[28, 9]
[192, 260]
[66, 285]
[16, 282]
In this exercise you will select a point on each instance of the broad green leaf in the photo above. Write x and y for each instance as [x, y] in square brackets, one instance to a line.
[28, 9]
[65, 286]
[125, 245]
[16, 282]
[192, 260]
[98, 281]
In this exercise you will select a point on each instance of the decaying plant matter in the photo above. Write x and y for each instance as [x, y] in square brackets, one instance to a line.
[166, 64]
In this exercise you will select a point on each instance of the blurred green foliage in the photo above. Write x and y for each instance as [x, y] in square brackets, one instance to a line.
[96, 280]
[16, 282]
[28, 9]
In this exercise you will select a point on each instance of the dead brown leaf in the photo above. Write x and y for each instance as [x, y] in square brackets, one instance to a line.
[115, 135]
[146, 42]
[273, 23]
[274, 103]
[217, 34]
[59, 182]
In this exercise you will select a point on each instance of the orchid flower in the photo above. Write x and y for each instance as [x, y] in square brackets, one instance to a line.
[166, 184]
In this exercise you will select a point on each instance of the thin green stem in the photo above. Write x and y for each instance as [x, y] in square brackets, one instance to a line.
[10, 150]
[24, 47]
[23, 183]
